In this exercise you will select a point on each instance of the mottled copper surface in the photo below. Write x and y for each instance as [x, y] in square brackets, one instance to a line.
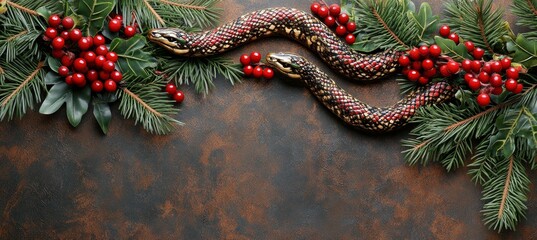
[261, 160]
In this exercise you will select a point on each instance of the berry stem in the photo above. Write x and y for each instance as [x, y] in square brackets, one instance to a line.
[17, 35]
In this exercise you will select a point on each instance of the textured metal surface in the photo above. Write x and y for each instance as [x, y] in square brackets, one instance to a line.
[262, 160]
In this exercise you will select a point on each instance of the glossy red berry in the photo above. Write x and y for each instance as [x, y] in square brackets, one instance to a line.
[171, 89]
[79, 79]
[99, 61]
[423, 80]
[343, 18]
[108, 66]
[414, 54]
[435, 51]
[496, 80]
[92, 75]
[112, 56]
[404, 61]
[69, 80]
[330, 21]
[116, 76]
[101, 50]
[114, 25]
[315, 8]
[341, 30]
[512, 73]
[64, 35]
[63, 71]
[519, 88]
[427, 64]
[179, 96]
[75, 34]
[487, 67]
[424, 51]
[478, 53]
[470, 46]
[335, 9]
[67, 60]
[511, 85]
[496, 66]
[129, 31]
[80, 64]
[248, 70]
[58, 43]
[466, 65]
[430, 73]
[68, 22]
[416, 65]
[99, 40]
[51, 33]
[476, 66]
[506, 63]
[453, 67]
[484, 77]
[255, 57]
[444, 31]
[413, 75]
[351, 26]
[468, 77]
[258, 72]
[57, 53]
[84, 44]
[454, 37]
[54, 20]
[323, 11]
[97, 86]
[444, 71]
[103, 75]
[90, 57]
[474, 84]
[350, 39]
[118, 17]
[245, 59]
[497, 90]
[483, 99]
[268, 73]
[110, 85]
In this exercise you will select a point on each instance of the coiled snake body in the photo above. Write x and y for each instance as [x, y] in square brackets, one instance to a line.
[308, 30]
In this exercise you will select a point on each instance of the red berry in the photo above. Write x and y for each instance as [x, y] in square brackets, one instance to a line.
[453, 67]
[67, 60]
[118, 17]
[330, 21]
[483, 99]
[478, 53]
[413, 75]
[248, 70]
[350, 39]
[470, 46]
[424, 51]
[80, 64]
[430, 73]
[341, 30]
[79, 79]
[435, 51]
[444, 71]
[99, 40]
[116, 76]
[512, 73]
[112, 56]
[114, 26]
[427, 64]
[65, 35]
[445, 31]
[69, 80]
[258, 72]
[351, 26]
[454, 37]
[179, 97]
[99, 61]
[335, 9]
[423, 80]
[519, 88]
[51, 33]
[110, 85]
[496, 80]
[171, 88]
[268, 73]
[101, 50]
[90, 57]
[84, 44]
[476, 66]
[496, 66]
[323, 12]
[511, 85]
[406, 70]
[315, 8]
[487, 67]
[57, 53]
[97, 86]
[54, 20]
[506, 63]
[416, 65]
[474, 84]
[109, 66]
[245, 59]
[92, 75]
[104, 75]
[129, 31]
[58, 43]
[414, 54]
[343, 18]
[255, 57]
[68, 22]
[75, 34]
[404, 61]
[63, 71]
[468, 77]
[483, 77]
[466, 65]
[497, 90]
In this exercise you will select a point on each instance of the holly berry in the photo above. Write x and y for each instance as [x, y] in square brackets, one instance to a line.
[468, 77]
[75, 34]
[57, 53]
[245, 59]
[341, 30]
[58, 43]
[268, 73]
[129, 31]
[103, 75]
[90, 57]
[335, 9]
[112, 56]
[435, 51]
[171, 88]
[474, 84]
[445, 31]
[511, 85]
[512, 73]
[416, 65]
[67, 60]
[350, 39]
[323, 11]
[179, 97]
[118, 17]
[97, 86]
[496, 80]
[315, 8]
[496, 66]
[454, 37]
[423, 80]
[427, 64]
[476, 66]
[414, 54]
[116, 76]
[453, 67]
[84, 44]
[258, 72]
[404, 61]
[483, 77]
[99, 61]
[466, 65]
[51, 33]
[80, 64]
[92, 75]
[248, 70]
[486, 67]
[497, 90]
[343, 18]
[54, 20]
[108, 66]
[470, 46]
[413, 75]
[64, 35]
[478, 53]
[430, 73]
[506, 63]
[101, 50]
[110, 85]
[330, 21]
[69, 80]
[424, 51]
[114, 26]
[351, 26]
[68, 22]
[63, 71]
[518, 89]
[255, 57]
[79, 79]
[444, 71]
[99, 40]
[483, 99]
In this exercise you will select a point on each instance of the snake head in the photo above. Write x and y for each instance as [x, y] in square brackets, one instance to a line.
[173, 39]
[287, 63]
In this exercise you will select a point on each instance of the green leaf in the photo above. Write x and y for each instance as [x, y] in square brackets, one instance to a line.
[53, 63]
[52, 78]
[103, 115]
[56, 97]
[77, 105]
[451, 49]
[44, 12]
[132, 58]
[503, 143]
[425, 20]
[525, 51]
[95, 12]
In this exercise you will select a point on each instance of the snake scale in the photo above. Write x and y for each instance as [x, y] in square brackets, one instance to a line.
[308, 30]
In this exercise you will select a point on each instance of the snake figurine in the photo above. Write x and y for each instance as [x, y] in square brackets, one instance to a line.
[292, 23]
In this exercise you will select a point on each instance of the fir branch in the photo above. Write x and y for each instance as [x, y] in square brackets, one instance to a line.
[483, 165]
[479, 115]
[526, 12]
[22, 8]
[155, 14]
[182, 5]
[506, 188]
[386, 27]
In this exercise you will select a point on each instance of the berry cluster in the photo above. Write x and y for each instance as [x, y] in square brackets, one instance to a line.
[84, 59]
[334, 18]
[476, 52]
[177, 94]
[421, 64]
[115, 24]
[252, 66]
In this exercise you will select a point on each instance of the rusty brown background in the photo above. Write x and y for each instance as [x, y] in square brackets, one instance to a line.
[261, 160]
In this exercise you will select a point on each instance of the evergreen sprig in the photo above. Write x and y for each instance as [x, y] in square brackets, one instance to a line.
[526, 12]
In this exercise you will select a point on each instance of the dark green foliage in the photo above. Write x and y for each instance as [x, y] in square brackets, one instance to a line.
[526, 12]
